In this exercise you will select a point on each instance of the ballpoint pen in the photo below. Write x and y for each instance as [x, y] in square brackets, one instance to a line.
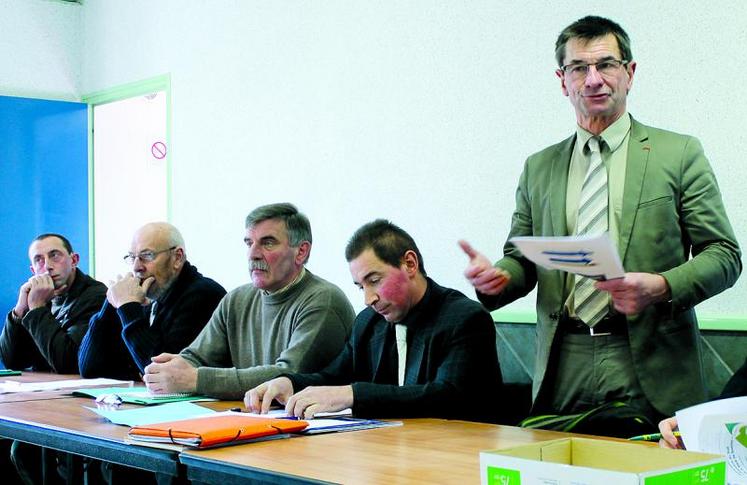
[651, 437]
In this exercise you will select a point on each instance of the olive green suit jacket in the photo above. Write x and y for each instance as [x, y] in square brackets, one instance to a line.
[673, 223]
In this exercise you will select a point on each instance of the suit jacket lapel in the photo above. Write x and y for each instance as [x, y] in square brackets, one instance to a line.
[559, 186]
[378, 339]
[639, 149]
[415, 351]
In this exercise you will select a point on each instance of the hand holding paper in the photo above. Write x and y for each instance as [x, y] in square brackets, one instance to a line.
[635, 291]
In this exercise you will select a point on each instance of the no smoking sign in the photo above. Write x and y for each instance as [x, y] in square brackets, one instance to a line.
[158, 150]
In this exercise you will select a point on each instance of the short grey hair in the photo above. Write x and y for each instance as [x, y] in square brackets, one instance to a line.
[593, 27]
[296, 223]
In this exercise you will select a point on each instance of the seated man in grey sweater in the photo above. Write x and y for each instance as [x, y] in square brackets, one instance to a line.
[286, 320]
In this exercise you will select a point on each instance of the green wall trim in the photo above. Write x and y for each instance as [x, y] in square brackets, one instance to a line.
[722, 323]
[138, 88]
[503, 316]
[738, 324]
[91, 219]
[158, 83]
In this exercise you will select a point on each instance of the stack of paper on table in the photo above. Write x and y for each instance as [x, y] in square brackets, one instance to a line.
[334, 422]
[180, 412]
[15, 386]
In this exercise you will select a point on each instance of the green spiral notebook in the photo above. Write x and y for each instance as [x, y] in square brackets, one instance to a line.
[8, 372]
[136, 395]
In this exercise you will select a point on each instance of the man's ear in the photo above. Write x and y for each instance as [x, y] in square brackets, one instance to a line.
[179, 258]
[561, 75]
[631, 73]
[303, 252]
[75, 258]
[410, 262]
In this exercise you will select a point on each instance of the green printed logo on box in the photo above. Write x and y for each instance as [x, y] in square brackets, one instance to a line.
[708, 474]
[503, 476]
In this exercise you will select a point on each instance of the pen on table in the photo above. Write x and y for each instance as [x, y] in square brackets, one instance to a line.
[236, 410]
[651, 437]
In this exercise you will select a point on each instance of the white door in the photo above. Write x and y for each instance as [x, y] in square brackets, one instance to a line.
[130, 175]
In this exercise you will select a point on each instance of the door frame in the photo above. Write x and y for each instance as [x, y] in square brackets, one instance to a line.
[118, 93]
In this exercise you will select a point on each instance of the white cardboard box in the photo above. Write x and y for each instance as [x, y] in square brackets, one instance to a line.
[584, 461]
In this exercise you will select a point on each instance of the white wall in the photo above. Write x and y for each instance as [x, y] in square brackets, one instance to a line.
[419, 111]
[40, 49]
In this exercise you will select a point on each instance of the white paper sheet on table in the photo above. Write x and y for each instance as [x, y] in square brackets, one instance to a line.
[15, 386]
[172, 411]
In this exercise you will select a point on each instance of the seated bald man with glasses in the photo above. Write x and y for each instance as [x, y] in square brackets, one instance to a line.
[160, 306]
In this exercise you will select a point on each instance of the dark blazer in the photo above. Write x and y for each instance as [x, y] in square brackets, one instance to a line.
[673, 223]
[737, 385]
[452, 368]
[120, 342]
[48, 338]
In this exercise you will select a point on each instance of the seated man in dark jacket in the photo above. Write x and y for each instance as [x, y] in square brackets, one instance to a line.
[44, 330]
[418, 350]
[160, 307]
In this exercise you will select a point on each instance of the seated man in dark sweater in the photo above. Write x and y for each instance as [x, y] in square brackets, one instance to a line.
[737, 386]
[160, 307]
[418, 350]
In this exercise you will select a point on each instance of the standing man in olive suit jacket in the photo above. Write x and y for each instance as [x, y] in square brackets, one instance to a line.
[666, 216]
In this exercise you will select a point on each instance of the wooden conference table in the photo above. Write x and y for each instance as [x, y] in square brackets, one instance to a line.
[419, 451]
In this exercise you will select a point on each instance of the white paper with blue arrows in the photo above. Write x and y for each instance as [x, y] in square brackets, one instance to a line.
[591, 256]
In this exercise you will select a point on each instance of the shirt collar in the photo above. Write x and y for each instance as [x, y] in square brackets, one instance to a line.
[613, 135]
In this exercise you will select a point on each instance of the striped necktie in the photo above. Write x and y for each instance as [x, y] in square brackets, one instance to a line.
[591, 304]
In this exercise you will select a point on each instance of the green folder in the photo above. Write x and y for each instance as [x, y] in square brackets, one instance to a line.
[137, 395]
[8, 372]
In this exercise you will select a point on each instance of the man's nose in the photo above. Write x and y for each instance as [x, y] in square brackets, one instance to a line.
[254, 252]
[593, 78]
[370, 297]
[137, 265]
